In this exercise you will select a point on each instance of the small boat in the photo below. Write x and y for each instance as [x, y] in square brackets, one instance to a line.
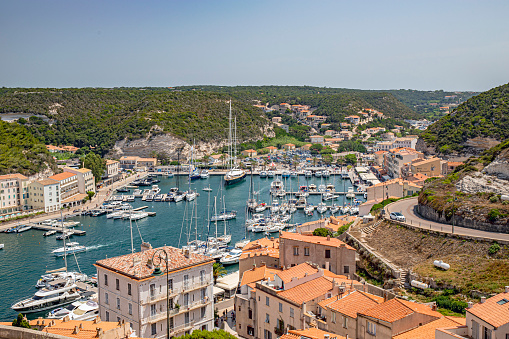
[334, 209]
[71, 248]
[231, 257]
[123, 189]
[321, 208]
[350, 194]
[308, 174]
[270, 174]
[65, 235]
[293, 174]
[309, 209]
[23, 228]
[285, 174]
[312, 188]
[240, 244]
[260, 207]
[191, 195]
[1, 246]
[204, 174]
[170, 175]
[207, 189]
[326, 174]
[318, 174]
[48, 233]
[263, 174]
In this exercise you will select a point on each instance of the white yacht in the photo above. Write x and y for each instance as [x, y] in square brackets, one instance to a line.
[232, 257]
[58, 292]
[204, 174]
[270, 174]
[70, 248]
[321, 208]
[263, 174]
[260, 207]
[308, 174]
[225, 215]
[191, 195]
[350, 194]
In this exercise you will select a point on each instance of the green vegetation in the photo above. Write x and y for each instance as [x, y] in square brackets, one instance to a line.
[494, 248]
[343, 229]
[322, 232]
[215, 334]
[218, 271]
[21, 152]
[21, 321]
[94, 163]
[485, 115]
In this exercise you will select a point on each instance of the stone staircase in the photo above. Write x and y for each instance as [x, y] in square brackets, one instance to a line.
[402, 278]
[370, 229]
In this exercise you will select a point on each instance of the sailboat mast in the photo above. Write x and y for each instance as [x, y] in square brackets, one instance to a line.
[235, 143]
[230, 136]
[215, 213]
[131, 227]
[63, 236]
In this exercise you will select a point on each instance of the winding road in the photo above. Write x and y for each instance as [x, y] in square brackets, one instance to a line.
[408, 208]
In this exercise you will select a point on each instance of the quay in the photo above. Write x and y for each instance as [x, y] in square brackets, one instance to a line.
[56, 228]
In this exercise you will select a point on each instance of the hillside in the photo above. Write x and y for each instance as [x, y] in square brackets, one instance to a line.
[101, 117]
[21, 152]
[474, 126]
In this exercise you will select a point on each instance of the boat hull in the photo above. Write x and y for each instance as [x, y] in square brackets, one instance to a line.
[231, 181]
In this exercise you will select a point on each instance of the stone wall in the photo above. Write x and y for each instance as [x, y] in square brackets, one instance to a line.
[25, 333]
[429, 213]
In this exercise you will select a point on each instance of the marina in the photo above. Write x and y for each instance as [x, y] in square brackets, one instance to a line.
[28, 255]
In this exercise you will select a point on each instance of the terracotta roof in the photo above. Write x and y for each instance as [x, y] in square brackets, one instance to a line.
[491, 311]
[298, 272]
[289, 336]
[258, 273]
[313, 333]
[125, 157]
[62, 176]
[86, 329]
[261, 243]
[13, 176]
[125, 264]
[46, 182]
[352, 303]
[109, 162]
[396, 309]
[76, 197]
[308, 290]
[332, 242]
[271, 252]
[428, 331]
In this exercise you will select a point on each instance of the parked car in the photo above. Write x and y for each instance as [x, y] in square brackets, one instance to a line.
[397, 216]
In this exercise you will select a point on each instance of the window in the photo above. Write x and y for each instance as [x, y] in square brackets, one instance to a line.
[153, 328]
[170, 284]
[306, 251]
[117, 284]
[487, 333]
[107, 316]
[291, 312]
[203, 309]
[267, 318]
[105, 280]
[267, 301]
[186, 299]
[106, 299]
[280, 307]
[129, 292]
[267, 334]
[152, 290]
[130, 309]
[153, 310]
[186, 318]
[203, 293]
[345, 322]
[327, 253]
[503, 301]
[250, 313]
[346, 269]
[295, 250]
[118, 303]
[118, 319]
[333, 317]
[202, 276]
[186, 281]
[171, 323]
[371, 328]
[250, 330]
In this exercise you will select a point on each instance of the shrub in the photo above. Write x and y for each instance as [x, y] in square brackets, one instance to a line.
[494, 214]
[451, 304]
[494, 248]
[322, 232]
[494, 199]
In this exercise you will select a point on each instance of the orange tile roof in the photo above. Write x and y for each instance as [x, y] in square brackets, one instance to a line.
[62, 176]
[396, 309]
[332, 242]
[298, 271]
[308, 290]
[125, 264]
[313, 333]
[109, 162]
[261, 243]
[257, 274]
[13, 176]
[428, 331]
[492, 312]
[86, 329]
[289, 336]
[352, 303]
[271, 252]
[46, 182]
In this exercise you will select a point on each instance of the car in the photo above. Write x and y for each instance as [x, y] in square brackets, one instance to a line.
[397, 216]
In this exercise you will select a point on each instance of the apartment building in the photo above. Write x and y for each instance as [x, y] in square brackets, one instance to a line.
[86, 180]
[395, 160]
[398, 188]
[407, 142]
[431, 167]
[269, 307]
[259, 252]
[329, 253]
[45, 195]
[133, 288]
[69, 189]
[353, 119]
[112, 167]
[13, 193]
[316, 139]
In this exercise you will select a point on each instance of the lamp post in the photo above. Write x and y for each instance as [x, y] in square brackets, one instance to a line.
[157, 272]
[453, 213]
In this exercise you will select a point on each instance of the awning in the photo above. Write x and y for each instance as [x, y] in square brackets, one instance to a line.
[217, 290]
[228, 282]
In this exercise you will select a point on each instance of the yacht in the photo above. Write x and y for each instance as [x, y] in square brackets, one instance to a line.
[263, 174]
[134, 215]
[256, 218]
[65, 235]
[78, 310]
[242, 243]
[48, 233]
[309, 209]
[23, 228]
[58, 292]
[207, 189]
[293, 174]
[285, 174]
[260, 207]
[70, 248]
[234, 174]
[232, 257]
[321, 208]
[223, 216]
[326, 174]
[191, 195]
[276, 186]
[204, 174]
[350, 194]
[308, 174]
[114, 215]
[137, 193]
[334, 209]
[155, 190]
[52, 276]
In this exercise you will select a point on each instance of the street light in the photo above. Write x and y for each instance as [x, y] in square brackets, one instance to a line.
[453, 213]
[158, 272]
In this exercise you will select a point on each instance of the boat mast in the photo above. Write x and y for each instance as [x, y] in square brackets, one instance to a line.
[230, 136]
[63, 236]
[235, 143]
[131, 227]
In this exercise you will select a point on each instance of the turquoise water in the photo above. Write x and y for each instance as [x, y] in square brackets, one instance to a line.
[28, 255]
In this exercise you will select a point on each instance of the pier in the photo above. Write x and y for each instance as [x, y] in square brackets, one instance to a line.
[56, 228]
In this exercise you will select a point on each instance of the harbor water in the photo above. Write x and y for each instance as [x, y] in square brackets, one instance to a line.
[27, 255]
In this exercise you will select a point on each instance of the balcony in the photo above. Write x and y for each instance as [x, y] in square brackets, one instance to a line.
[184, 308]
[159, 296]
[199, 284]
[195, 305]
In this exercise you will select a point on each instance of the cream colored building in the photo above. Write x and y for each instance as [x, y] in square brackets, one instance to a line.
[69, 189]
[396, 188]
[129, 291]
[13, 193]
[45, 195]
[395, 160]
[329, 253]
[429, 167]
[112, 167]
[86, 180]
[259, 252]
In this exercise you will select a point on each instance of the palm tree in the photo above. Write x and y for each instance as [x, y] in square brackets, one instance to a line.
[218, 271]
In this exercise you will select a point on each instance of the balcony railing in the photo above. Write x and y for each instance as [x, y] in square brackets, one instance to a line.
[174, 311]
[159, 296]
[195, 285]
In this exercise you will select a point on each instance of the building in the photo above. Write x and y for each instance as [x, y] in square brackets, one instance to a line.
[86, 180]
[45, 195]
[131, 289]
[69, 189]
[13, 193]
[393, 317]
[128, 162]
[289, 147]
[431, 167]
[146, 162]
[258, 253]
[353, 119]
[271, 149]
[395, 160]
[112, 168]
[346, 135]
[407, 142]
[316, 139]
[249, 153]
[379, 157]
[430, 329]
[310, 333]
[329, 253]
[340, 311]
[397, 188]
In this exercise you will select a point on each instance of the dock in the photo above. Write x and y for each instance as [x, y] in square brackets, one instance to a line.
[56, 228]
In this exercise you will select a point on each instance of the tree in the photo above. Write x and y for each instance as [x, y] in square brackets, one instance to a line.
[215, 334]
[218, 271]
[322, 232]
[315, 148]
[351, 159]
[90, 194]
[327, 158]
[21, 321]
[94, 162]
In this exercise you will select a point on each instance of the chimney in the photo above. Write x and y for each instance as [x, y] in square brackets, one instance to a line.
[328, 237]
[507, 289]
[97, 320]
[385, 296]
[483, 299]
[76, 330]
[81, 326]
[145, 246]
[99, 332]
[272, 238]
[470, 304]
[66, 319]
[186, 253]
[327, 266]
[434, 306]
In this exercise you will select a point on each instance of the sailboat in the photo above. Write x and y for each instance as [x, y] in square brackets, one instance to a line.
[251, 202]
[234, 174]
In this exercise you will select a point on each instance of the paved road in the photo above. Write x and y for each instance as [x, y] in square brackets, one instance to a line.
[407, 208]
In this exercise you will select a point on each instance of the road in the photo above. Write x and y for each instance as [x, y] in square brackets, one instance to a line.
[407, 208]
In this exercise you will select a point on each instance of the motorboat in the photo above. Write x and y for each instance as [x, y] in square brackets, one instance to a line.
[223, 216]
[65, 235]
[123, 189]
[350, 194]
[48, 233]
[129, 198]
[334, 209]
[330, 188]
[155, 190]
[318, 174]
[293, 174]
[204, 174]
[191, 195]
[137, 193]
[134, 215]
[260, 207]
[275, 207]
[321, 208]
[70, 248]
[52, 275]
[195, 174]
[326, 174]
[57, 293]
[232, 257]
[256, 218]
[301, 202]
[285, 174]
[329, 196]
[321, 188]
[308, 174]
[78, 310]
[263, 174]
[207, 189]
[179, 196]
[1, 246]
[276, 186]
[270, 174]
[242, 243]
[309, 209]
[114, 215]
[158, 197]
[23, 228]
[312, 188]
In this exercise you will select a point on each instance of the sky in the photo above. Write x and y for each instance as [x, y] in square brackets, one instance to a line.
[427, 45]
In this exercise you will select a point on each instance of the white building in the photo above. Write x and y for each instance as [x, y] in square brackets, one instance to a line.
[129, 290]
[86, 180]
[13, 193]
[45, 194]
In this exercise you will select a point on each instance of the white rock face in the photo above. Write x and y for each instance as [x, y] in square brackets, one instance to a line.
[499, 168]
[483, 183]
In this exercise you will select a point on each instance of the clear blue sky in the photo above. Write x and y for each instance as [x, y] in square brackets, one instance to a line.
[450, 45]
